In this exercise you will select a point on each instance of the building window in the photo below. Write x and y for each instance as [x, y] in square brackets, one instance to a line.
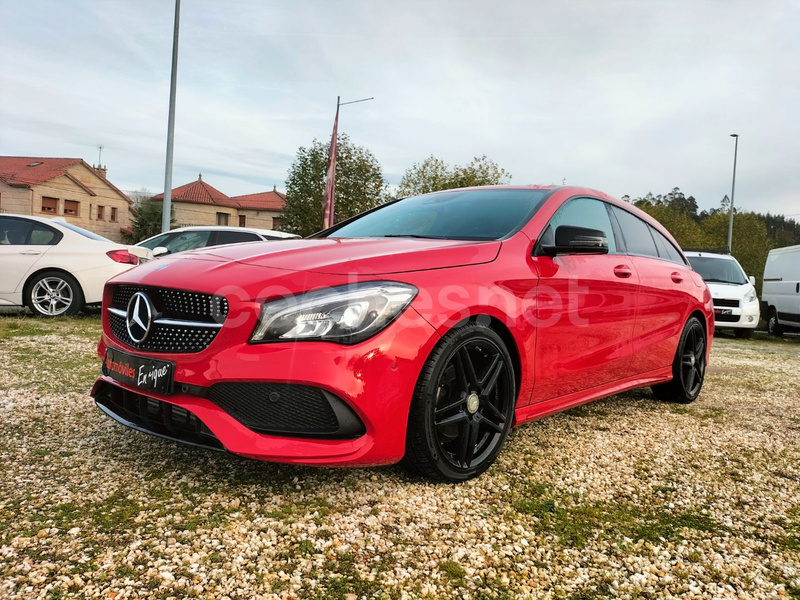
[114, 214]
[222, 218]
[49, 205]
[72, 208]
[101, 213]
[242, 221]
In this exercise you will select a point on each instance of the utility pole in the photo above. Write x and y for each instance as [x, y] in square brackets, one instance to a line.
[733, 189]
[167, 205]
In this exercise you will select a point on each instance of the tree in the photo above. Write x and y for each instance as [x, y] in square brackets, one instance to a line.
[683, 228]
[433, 174]
[359, 185]
[750, 245]
[146, 220]
[139, 196]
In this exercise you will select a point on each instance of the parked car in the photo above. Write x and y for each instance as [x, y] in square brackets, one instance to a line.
[422, 329]
[191, 238]
[780, 294]
[734, 293]
[56, 268]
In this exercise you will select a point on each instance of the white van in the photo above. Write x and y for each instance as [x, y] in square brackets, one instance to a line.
[780, 297]
[735, 301]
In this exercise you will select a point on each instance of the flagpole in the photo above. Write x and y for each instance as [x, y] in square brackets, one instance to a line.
[329, 193]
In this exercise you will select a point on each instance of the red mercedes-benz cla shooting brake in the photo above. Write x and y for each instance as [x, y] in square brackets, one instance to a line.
[421, 330]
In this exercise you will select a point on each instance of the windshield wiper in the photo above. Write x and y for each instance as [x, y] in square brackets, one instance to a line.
[721, 281]
[414, 235]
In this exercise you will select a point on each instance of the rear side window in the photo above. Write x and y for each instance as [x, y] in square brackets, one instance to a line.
[636, 233]
[581, 212]
[43, 236]
[665, 248]
[14, 232]
[234, 237]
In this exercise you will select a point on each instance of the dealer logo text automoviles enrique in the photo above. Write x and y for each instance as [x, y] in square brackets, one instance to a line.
[123, 369]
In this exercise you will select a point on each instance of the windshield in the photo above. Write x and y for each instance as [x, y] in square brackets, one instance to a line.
[83, 232]
[718, 270]
[483, 214]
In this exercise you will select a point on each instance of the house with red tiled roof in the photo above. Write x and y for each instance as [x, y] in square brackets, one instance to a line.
[64, 187]
[199, 203]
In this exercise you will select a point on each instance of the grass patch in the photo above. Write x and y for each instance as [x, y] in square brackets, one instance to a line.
[575, 523]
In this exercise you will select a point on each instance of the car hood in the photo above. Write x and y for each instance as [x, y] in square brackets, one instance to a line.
[728, 290]
[353, 256]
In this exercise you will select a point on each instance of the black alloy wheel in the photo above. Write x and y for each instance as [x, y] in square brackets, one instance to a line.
[463, 405]
[688, 368]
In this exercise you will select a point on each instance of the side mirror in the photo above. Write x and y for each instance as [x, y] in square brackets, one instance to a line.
[752, 280]
[577, 240]
[160, 251]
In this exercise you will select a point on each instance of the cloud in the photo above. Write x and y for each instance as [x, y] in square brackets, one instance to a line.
[623, 96]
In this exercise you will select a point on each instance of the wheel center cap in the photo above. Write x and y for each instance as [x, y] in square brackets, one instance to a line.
[473, 402]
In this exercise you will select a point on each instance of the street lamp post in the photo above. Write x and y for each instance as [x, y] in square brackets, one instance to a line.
[733, 189]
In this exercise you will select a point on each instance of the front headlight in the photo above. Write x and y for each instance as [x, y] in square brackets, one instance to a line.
[345, 314]
[750, 296]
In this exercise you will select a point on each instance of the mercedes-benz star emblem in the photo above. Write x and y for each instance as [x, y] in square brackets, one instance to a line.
[139, 317]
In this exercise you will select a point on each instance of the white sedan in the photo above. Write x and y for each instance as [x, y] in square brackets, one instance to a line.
[191, 238]
[55, 268]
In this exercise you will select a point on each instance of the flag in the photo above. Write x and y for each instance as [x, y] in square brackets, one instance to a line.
[330, 178]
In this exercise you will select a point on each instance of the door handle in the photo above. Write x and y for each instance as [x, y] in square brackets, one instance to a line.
[31, 252]
[622, 271]
[676, 277]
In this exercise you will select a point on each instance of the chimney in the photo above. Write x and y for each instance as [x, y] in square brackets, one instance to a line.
[101, 169]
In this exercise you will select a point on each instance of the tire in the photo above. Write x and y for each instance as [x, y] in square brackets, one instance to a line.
[463, 405]
[53, 294]
[688, 368]
[773, 326]
[743, 334]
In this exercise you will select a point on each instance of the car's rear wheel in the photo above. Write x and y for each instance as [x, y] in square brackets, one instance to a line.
[53, 294]
[743, 334]
[463, 405]
[688, 368]
[773, 326]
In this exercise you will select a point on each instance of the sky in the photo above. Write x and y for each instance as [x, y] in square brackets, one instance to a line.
[627, 97]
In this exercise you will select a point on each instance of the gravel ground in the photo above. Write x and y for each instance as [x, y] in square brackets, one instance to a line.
[627, 497]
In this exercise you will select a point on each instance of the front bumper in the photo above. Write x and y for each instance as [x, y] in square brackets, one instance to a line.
[745, 317]
[375, 380]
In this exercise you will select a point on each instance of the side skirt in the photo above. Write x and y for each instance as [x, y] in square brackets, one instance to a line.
[539, 410]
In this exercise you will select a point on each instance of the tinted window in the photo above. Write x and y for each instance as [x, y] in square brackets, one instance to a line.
[233, 237]
[581, 212]
[665, 248]
[187, 240]
[636, 234]
[459, 214]
[157, 241]
[43, 236]
[718, 269]
[14, 231]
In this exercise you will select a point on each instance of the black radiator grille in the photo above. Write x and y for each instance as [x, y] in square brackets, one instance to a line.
[726, 303]
[726, 318]
[193, 319]
[286, 409]
[154, 416]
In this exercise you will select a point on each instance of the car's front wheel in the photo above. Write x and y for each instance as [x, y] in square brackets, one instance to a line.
[53, 294]
[688, 367]
[463, 405]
